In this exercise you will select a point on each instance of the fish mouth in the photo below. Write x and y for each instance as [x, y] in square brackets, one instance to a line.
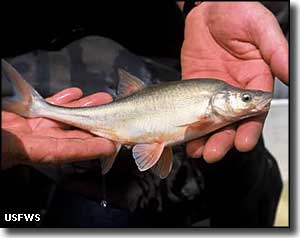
[265, 103]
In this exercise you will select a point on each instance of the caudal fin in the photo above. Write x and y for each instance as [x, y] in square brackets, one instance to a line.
[26, 101]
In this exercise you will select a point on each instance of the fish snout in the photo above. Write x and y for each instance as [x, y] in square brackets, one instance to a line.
[265, 102]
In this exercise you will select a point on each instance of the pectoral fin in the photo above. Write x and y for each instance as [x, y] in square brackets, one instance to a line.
[107, 163]
[164, 165]
[147, 155]
[128, 84]
[202, 122]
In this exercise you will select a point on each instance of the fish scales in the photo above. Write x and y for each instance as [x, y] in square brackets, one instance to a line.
[149, 119]
[158, 109]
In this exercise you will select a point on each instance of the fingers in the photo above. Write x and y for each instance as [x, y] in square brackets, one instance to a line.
[248, 133]
[69, 98]
[62, 97]
[195, 148]
[244, 138]
[88, 101]
[65, 96]
[91, 100]
[219, 144]
[214, 148]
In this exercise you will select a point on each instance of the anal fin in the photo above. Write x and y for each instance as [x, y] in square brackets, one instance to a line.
[107, 163]
[147, 155]
[164, 165]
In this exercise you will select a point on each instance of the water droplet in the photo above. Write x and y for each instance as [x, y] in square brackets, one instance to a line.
[103, 203]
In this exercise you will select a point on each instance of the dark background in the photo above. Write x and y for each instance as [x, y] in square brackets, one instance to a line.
[146, 28]
[153, 29]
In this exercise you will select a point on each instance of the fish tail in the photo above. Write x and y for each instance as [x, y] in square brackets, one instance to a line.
[25, 101]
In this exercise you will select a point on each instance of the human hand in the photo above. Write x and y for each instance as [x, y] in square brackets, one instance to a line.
[242, 44]
[41, 140]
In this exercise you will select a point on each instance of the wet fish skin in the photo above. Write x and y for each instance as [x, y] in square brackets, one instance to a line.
[168, 109]
[149, 118]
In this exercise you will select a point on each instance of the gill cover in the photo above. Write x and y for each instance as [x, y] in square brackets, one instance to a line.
[232, 102]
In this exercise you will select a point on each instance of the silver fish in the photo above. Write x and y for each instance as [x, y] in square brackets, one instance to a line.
[149, 119]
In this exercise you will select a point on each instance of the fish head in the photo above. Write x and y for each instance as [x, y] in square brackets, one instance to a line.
[234, 103]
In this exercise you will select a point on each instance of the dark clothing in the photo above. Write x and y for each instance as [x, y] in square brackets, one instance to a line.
[145, 28]
[242, 190]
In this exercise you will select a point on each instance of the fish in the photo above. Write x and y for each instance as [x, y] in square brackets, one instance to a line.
[150, 120]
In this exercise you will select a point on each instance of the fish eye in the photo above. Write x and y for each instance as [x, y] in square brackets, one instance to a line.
[246, 97]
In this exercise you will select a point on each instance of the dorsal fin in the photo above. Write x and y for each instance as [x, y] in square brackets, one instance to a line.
[128, 84]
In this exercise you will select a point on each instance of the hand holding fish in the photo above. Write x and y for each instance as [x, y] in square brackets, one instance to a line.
[242, 44]
[44, 140]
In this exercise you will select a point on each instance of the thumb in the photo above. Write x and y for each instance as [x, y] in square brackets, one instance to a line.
[270, 40]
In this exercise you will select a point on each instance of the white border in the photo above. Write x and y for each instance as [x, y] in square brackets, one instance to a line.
[198, 233]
